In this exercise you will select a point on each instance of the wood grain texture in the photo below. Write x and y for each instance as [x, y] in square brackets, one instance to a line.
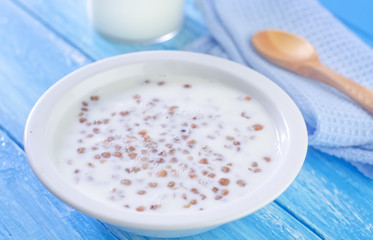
[30, 68]
[32, 58]
[329, 197]
[332, 198]
[69, 18]
[278, 224]
[29, 211]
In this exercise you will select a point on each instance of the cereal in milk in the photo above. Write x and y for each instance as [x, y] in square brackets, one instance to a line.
[169, 146]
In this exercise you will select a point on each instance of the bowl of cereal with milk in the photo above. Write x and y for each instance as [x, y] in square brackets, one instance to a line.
[165, 143]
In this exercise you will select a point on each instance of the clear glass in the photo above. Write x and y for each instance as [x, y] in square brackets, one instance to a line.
[137, 21]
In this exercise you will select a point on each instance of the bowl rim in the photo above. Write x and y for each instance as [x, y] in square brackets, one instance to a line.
[38, 160]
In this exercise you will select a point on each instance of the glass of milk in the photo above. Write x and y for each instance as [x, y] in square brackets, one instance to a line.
[137, 21]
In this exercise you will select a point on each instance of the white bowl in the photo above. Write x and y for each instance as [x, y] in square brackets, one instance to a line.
[287, 119]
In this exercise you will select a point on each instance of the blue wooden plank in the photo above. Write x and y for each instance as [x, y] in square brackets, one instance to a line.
[332, 198]
[60, 57]
[35, 213]
[29, 211]
[346, 196]
[271, 222]
[53, 61]
[69, 19]
[31, 59]
[356, 14]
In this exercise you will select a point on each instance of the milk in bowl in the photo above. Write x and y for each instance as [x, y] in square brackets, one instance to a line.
[166, 144]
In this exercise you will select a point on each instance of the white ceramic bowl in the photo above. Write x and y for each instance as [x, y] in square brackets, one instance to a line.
[287, 119]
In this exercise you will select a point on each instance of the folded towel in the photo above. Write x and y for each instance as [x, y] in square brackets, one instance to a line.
[336, 125]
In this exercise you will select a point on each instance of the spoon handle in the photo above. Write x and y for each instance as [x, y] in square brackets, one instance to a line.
[360, 94]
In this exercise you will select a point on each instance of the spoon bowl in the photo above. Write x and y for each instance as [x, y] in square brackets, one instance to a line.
[283, 46]
[299, 56]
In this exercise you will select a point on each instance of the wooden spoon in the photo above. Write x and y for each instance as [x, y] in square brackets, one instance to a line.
[298, 55]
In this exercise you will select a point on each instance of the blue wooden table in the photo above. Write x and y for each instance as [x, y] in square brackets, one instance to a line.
[41, 41]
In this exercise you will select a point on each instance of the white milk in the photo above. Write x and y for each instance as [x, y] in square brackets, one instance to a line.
[167, 146]
[137, 21]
